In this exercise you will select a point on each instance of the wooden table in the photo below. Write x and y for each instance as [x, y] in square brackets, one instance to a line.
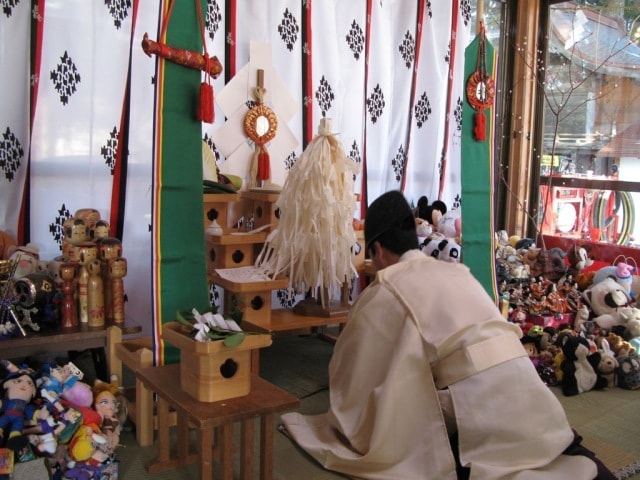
[208, 418]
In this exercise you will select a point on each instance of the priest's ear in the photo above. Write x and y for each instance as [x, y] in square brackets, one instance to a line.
[372, 248]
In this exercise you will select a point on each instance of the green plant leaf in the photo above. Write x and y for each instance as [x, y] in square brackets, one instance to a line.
[234, 339]
[181, 318]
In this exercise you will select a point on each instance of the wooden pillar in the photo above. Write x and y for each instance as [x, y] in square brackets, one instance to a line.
[520, 175]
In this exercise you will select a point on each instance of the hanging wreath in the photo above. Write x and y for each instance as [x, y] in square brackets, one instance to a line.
[481, 90]
[260, 125]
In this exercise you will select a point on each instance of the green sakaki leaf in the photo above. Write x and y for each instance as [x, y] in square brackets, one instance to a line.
[234, 339]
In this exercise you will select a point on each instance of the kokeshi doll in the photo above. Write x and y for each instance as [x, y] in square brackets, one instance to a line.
[69, 310]
[86, 253]
[108, 249]
[117, 271]
[90, 217]
[101, 230]
[95, 294]
[75, 232]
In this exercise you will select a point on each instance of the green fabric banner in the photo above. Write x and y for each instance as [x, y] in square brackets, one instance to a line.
[477, 182]
[180, 260]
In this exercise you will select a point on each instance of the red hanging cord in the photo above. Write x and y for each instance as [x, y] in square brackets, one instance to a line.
[206, 110]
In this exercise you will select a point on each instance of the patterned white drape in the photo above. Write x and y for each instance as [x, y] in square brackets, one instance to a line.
[15, 30]
[389, 86]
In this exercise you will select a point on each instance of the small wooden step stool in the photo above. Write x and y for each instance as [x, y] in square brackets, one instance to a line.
[135, 354]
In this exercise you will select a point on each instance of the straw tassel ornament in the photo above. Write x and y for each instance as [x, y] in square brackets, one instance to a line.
[313, 241]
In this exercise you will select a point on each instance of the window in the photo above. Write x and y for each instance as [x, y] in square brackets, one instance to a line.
[590, 156]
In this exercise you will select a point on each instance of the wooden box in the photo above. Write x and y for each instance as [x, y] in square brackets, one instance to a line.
[232, 250]
[211, 371]
[215, 206]
[262, 205]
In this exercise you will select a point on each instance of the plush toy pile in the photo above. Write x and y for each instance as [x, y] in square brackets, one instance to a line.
[581, 325]
[439, 230]
[50, 412]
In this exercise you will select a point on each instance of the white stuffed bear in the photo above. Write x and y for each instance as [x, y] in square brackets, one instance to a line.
[606, 299]
[442, 248]
[450, 224]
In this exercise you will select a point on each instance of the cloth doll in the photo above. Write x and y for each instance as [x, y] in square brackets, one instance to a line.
[52, 430]
[19, 389]
[531, 343]
[55, 380]
[96, 440]
[106, 404]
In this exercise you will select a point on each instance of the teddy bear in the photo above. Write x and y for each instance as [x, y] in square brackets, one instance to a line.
[579, 367]
[605, 299]
[619, 345]
[621, 273]
[450, 225]
[578, 257]
[442, 248]
[628, 373]
[545, 263]
[423, 227]
[608, 363]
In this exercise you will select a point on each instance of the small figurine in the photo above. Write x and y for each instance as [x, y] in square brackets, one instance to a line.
[19, 389]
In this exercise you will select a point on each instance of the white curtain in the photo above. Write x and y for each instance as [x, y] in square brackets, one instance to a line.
[380, 69]
[15, 30]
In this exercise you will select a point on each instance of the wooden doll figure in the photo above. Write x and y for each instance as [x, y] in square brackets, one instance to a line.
[90, 216]
[108, 249]
[76, 232]
[69, 311]
[86, 253]
[117, 271]
[101, 230]
[95, 294]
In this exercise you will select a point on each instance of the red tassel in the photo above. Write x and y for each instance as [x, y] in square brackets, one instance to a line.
[206, 110]
[480, 126]
[264, 167]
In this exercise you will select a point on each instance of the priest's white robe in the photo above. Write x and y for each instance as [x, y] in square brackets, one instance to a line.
[425, 353]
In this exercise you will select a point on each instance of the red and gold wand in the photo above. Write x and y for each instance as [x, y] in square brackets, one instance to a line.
[184, 57]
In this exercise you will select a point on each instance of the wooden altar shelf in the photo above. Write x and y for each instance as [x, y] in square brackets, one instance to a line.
[286, 319]
[233, 249]
[253, 298]
[218, 202]
[262, 204]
